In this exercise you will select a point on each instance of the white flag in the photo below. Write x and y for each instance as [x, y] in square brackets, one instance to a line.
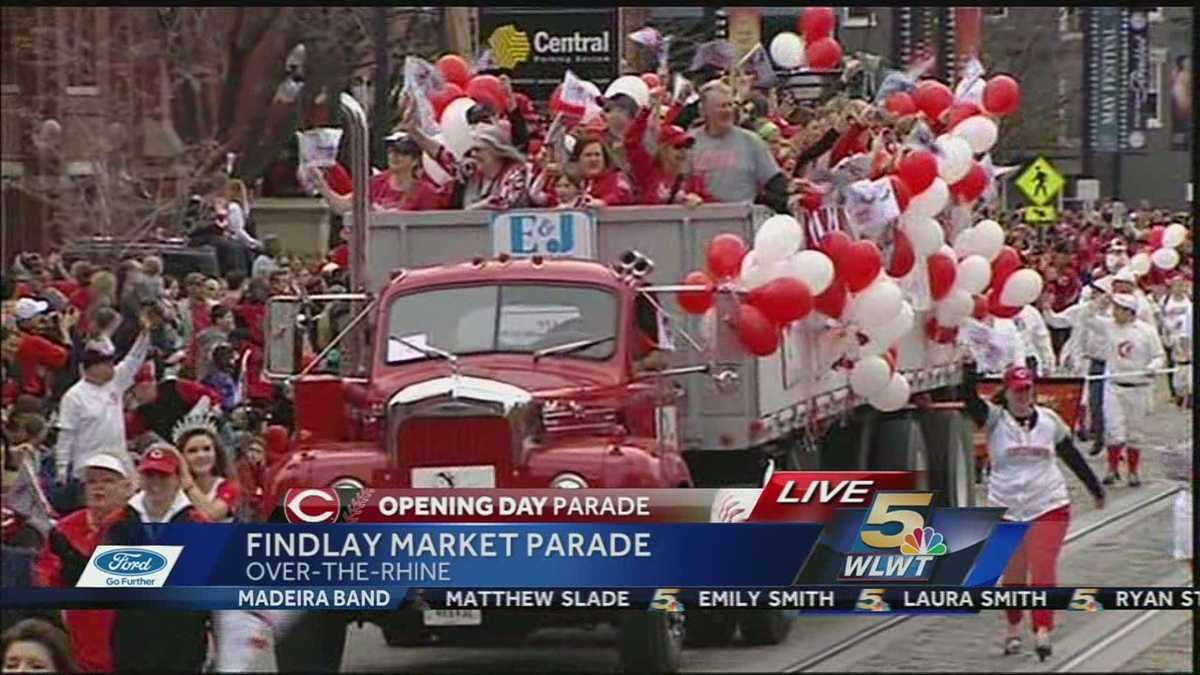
[970, 83]
[420, 80]
[576, 92]
[871, 205]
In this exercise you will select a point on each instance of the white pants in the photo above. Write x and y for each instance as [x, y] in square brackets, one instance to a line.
[1125, 409]
[246, 640]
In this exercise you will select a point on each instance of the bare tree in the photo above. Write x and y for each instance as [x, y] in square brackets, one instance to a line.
[172, 92]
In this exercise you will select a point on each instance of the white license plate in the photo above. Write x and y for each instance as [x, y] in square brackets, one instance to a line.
[453, 617]
[480, 476]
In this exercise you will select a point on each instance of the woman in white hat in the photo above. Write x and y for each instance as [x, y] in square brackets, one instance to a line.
[493, 174]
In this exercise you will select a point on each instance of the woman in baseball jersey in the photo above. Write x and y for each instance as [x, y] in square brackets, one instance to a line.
[1024, 440]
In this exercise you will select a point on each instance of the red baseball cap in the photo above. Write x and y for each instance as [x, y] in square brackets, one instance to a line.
[675, 137]
[145, 373]
[1018, 377]
[158, 460]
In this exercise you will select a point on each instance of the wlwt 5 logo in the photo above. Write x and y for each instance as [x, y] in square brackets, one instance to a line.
[312, 506]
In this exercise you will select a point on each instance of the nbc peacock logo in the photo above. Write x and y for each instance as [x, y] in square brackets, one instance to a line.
[923, 541]
[510, 47]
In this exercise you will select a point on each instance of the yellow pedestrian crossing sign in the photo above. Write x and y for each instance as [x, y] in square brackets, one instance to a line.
[1040, 182]
[1040, 214]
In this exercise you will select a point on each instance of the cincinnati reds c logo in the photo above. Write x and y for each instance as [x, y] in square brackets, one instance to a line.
[1125, 349]
[311, 506]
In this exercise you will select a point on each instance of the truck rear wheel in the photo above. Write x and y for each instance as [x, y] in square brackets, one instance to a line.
[650, 642]
[765, 626]
[948, 442]
[708, 628]
[898, 445]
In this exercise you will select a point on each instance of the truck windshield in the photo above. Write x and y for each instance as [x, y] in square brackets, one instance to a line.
[515, 318]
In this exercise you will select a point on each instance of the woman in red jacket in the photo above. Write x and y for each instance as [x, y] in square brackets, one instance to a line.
[606, 186]
[661, 178]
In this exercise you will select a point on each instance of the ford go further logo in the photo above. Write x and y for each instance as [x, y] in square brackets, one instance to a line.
[130, 562]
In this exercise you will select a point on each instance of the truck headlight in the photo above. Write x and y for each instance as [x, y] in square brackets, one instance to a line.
[568, 481]
[348, 483]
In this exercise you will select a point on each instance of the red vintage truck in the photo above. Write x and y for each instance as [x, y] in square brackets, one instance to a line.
[532, 349]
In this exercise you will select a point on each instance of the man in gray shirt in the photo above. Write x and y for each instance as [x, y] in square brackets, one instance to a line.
[736, 164]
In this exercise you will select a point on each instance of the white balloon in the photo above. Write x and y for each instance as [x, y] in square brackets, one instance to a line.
[930, 202]
[979, 131]
[877, 304]
[956, 306]
[1174, 235]
[895, 328]
[872, 348]
[1021, 288]
[870, 375]
[455, 128]
[1140, 263]
[632, 86]
[787, 50]
[955, 160]
[1164, 258]
[753, 273]
[814, 268]
[964, 244]
[925, 234]
[974, 273]
[987, 239]
[894, 396]
[948, 252]
[777, 238]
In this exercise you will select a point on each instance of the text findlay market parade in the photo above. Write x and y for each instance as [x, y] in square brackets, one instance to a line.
[576, 249]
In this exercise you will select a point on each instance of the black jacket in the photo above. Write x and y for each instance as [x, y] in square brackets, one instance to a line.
[153, 639]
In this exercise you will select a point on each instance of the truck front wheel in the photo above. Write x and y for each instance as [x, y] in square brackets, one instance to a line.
[765, 626]
[708, 628]
[650, 642]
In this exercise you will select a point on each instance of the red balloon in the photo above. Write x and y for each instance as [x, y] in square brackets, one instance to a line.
[724, 255]
[832, 301]
[961, 111]
[651, 80]
[815, 23]
[902, 191]
[942, 272]
[444, 96]
[823, 54]
[999, 310]
[454, 68]
[971, 186]
[900, 104]
[488, 89]
[697, 302]
[1156, 237]
[835, 245]
[1001, 95]
[862, 265]
[903, 257]
[782, 300]
[932, 97]
[980, 311]
[1005, 263]
[755, 331]
[918, 169]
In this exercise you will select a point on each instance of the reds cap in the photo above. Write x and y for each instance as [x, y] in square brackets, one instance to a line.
[158, 460]
[1018, 377]
[1126, 300]
[675, 137]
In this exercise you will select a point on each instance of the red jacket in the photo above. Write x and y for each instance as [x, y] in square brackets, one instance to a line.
[610, 187]
[654, 186]
[59, 564]
[36, 356]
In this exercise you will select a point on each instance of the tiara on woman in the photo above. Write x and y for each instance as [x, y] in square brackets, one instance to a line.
[200, 418]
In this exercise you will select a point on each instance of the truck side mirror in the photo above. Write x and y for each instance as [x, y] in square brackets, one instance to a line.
[282, 357]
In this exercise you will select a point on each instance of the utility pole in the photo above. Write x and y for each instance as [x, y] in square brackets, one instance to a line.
[380, 116]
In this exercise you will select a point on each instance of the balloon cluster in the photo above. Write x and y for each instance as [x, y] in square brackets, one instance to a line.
[977, 277]
[1164, 240]
[817, 49]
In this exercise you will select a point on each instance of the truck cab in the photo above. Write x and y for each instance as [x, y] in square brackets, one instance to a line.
[501, 372]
